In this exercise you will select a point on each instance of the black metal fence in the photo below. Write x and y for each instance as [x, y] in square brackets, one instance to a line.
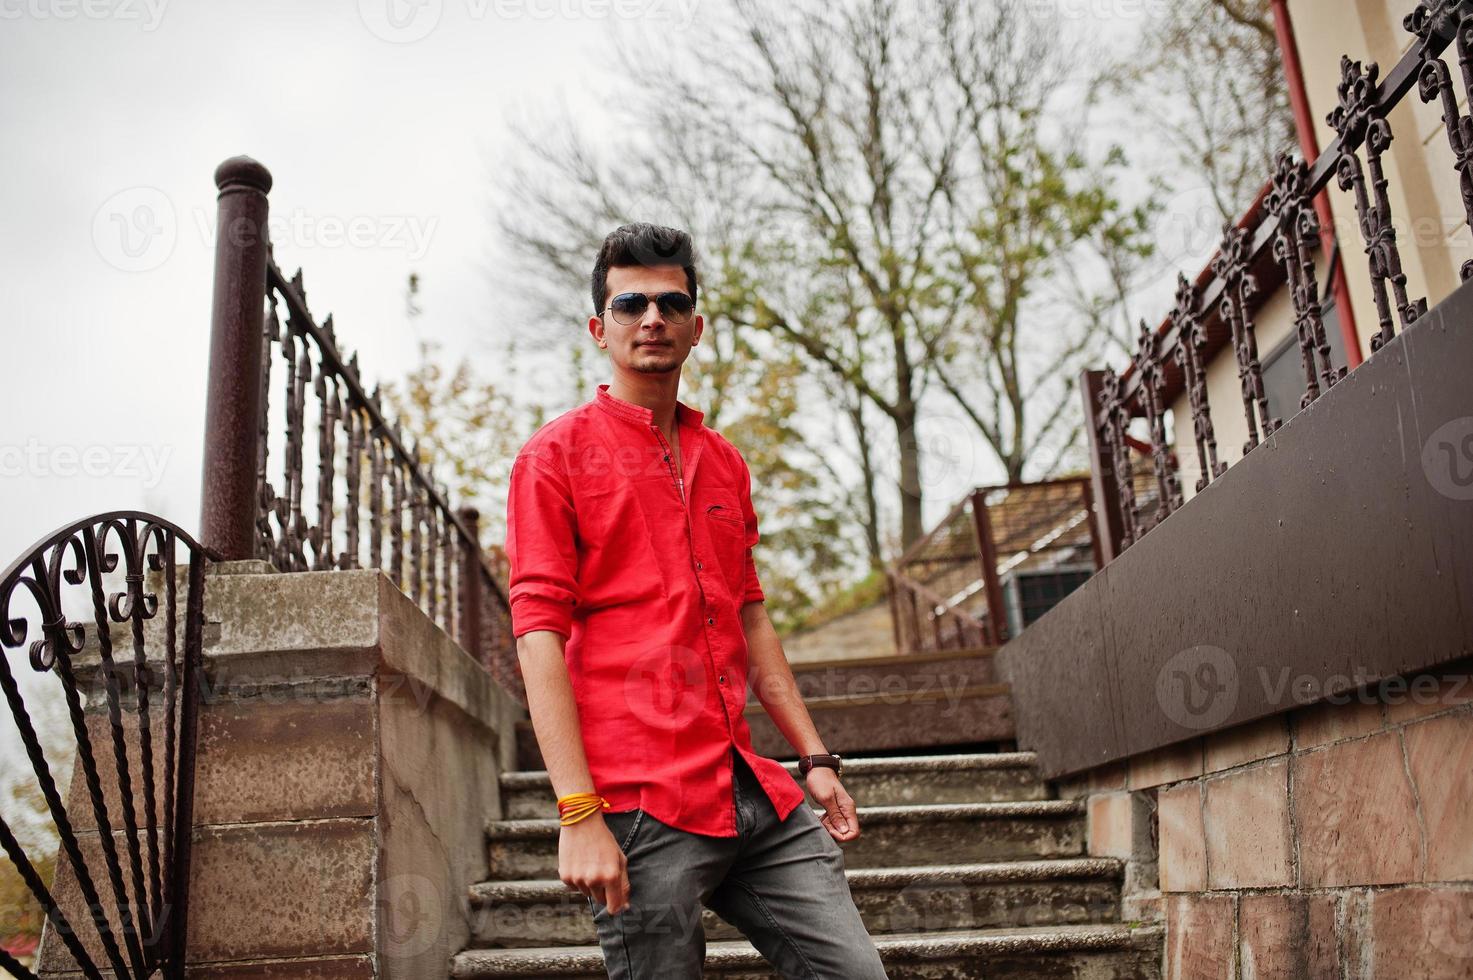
[350, 491]
[74, 603]
[1277, 239]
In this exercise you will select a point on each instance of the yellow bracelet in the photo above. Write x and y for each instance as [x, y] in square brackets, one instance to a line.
[577, 806]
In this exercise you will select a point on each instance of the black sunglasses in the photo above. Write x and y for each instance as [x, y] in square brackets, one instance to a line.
[629, 307]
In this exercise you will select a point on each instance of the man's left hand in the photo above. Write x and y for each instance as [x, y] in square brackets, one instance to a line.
[839, 816]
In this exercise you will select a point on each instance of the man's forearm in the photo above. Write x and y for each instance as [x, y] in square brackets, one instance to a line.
[554, 711]
[772, 678]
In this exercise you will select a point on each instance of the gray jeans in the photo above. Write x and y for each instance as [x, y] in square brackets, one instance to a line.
[780, 882]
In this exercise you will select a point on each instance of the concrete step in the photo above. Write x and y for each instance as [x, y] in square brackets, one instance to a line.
[971, 777]
[884, 722]
[1094, 952]
[890, 836]
[917, 674]
[911, 899]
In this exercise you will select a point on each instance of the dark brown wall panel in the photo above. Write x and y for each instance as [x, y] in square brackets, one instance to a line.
[1338, 552]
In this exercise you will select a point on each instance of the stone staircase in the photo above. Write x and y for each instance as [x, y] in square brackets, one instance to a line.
[884, 704]
[965, 868]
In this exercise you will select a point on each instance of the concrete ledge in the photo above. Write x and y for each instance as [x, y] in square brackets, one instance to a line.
[349, 756]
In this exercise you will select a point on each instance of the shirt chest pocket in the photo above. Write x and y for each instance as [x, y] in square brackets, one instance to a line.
[727, 531]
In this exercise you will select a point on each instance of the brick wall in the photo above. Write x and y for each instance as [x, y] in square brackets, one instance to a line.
[1334, 840]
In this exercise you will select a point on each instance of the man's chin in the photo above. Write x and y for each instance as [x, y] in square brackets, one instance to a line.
[656, 365]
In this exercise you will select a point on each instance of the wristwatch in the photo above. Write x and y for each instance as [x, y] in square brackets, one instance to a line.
[807, 762]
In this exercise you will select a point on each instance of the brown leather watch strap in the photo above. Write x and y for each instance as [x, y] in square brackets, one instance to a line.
[807, 762]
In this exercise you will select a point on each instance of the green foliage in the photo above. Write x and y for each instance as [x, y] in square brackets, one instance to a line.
[21, 915]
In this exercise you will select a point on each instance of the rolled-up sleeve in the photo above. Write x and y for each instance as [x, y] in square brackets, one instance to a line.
[751, 586]
[541, 546]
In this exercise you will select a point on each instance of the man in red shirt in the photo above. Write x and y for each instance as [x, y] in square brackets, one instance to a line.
[640, 623]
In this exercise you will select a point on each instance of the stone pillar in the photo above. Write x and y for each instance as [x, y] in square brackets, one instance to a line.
[349, 759]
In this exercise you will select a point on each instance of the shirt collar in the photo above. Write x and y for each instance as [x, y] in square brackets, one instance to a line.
[684, 414]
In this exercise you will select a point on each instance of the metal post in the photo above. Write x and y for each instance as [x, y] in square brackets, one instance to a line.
[892, 593]
[1087, 500]
[1109, 526]
[997, 614]
[471, 591]
[233, 402]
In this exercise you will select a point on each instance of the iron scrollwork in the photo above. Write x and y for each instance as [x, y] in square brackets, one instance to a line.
[1191, 355]
[1148, 364]
[145, 863]
[1449, 20]
[1232, 265]
[1298, 228]
[1359, 121]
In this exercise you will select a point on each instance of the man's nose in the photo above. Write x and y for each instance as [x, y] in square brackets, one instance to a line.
[652, 316]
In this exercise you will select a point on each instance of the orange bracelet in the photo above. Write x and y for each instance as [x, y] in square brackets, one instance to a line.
[577, 806]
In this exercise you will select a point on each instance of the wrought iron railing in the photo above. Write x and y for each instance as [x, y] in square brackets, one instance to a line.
[970, 581]
[1283, 229]
[353, 491]
[108, 910]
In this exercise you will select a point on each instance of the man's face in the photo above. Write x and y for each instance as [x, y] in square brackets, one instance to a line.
[653, 344]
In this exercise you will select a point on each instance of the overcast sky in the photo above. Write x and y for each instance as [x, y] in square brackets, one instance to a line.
[380, 121]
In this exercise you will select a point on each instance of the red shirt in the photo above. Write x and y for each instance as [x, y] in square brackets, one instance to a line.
[646, 579]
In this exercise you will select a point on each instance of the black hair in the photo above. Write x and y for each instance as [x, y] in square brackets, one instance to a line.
[645, 245]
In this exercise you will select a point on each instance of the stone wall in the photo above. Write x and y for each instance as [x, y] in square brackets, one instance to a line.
[349, 758]
[1334, 840]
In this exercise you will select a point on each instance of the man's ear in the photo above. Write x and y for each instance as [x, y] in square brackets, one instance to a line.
[596, 329]
[700, 326]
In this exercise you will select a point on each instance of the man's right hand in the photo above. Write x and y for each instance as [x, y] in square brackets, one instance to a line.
[589, 860]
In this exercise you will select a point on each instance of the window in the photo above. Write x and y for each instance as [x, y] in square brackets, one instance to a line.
[1283, 368]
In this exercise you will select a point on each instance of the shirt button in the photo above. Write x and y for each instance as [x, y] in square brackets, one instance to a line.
[699, 566]
[721, 679]
[710, 620]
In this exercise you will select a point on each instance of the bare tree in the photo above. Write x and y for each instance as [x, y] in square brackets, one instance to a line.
[883, 203]
[1209, 75]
